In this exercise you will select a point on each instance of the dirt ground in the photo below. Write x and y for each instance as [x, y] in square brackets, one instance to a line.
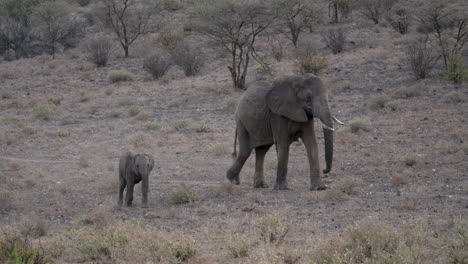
[410, 163]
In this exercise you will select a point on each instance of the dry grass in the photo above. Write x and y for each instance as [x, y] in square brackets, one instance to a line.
[7, 200]
[239, 247]
[183, 196]
[83, 161]
[120, 76]
[100, 217]
[43, 112]
[400, 178]
[271, 229]
[410, 160]
[13, 164]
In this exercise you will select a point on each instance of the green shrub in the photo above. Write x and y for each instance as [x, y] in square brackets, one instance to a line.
[181, 124]
[169, 40]
[271, 229]
[183, 251]
[16, 248]
[152, 126]
[201, 128]
[43, 111]
[457, 73]
[239, 247]
[119, 76]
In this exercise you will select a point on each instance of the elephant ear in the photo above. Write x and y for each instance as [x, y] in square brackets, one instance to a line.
[282, 100]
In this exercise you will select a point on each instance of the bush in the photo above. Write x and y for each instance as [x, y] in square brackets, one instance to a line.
[379, 102]
[335, 39]
[183, 251]
[43, 111]
[119, 76]
[457, 73]
[307, 60]
[374, 9]
[239, 247]
[189, 58]
[170, 40]
[157, 65]
[271, 229]
[6, 200]
[399, 19]
[421, 57]
[18, 249]
[99, 50]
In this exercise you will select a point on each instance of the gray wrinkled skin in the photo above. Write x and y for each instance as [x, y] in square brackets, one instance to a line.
[132, 170]
[279, 114]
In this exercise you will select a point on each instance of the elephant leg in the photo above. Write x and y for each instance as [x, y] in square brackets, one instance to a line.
[121, 190]
[260, 153]
[244, 152]
[310, 144]
[144, 192]
[282, 171]
[129, 194]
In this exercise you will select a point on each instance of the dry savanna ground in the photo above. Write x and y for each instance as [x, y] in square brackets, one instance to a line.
[398, 187]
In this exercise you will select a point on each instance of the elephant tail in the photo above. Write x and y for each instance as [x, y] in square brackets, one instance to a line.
[234, 154]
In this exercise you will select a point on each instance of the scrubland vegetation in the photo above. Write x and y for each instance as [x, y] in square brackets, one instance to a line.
[83, 81]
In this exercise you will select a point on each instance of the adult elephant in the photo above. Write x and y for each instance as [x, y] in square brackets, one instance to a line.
[278, 114]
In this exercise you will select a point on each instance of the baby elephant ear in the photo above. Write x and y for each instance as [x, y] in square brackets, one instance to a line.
[282, 100]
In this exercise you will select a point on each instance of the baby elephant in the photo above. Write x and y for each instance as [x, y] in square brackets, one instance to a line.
[132, 170]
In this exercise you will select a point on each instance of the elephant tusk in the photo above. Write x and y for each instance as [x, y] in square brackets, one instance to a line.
[338, 121]
[325, 126]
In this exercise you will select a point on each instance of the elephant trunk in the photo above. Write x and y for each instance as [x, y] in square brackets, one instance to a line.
[326, 118]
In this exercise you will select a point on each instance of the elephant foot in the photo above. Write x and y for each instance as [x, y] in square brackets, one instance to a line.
[260, 185]
[318, 186]
[233, 179]
[281, 186]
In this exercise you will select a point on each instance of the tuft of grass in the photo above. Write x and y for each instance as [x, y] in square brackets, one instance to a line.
[100, 218]
[239, 247]
[356, 126]
[143, 116]
[407, 92]
[400, 178]
[184, 196]
[378, 102]
[109, 91]
[410, 160]
[113, 114]
[140, 140]
[271, 229]
[13, 164]
[84, 98]
[83, 161]
[9, 118]
[119, 76]
[180, 124]
[43, 112]
[456, 98]
[392, 106]
[183, 251]
[55, 100]
[134, 110]
[28, 129]
[465, 148]
[348, 185]
[62, 133]
[201, 128]
[152, 126]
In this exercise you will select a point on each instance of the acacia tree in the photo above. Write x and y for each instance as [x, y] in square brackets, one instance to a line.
[450, 28]
[295, 15]
[129, 19]
[234, 26]
[56, 25]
